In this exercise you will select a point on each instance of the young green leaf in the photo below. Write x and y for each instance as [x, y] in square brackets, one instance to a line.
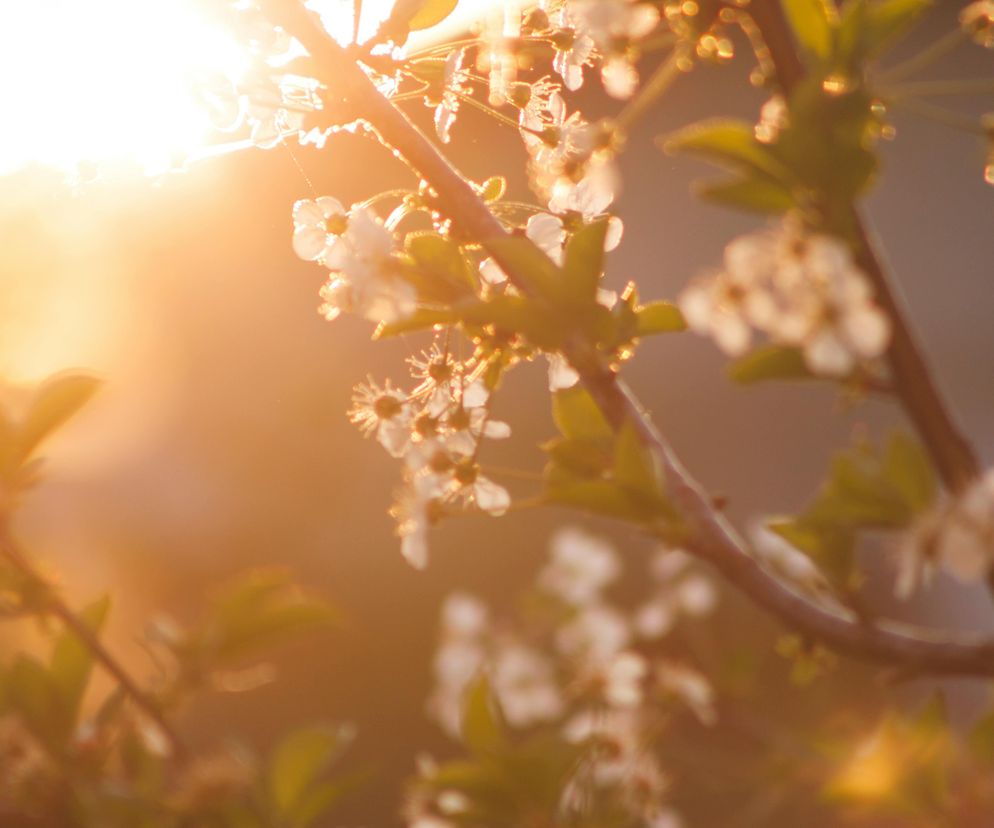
[870, 27]
[481, 729]
[757, 195]
[634, 465]
[908, 469]
[296, 768]
[813, 22]
[578, 416]
[730, 144]
[431, 13]
[659, 317]
[72, 661]
[770, 362]
[493, 188]
[584, 261]
[58, 399]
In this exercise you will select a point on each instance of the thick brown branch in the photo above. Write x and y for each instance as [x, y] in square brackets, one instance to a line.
[57, 607]
[710, 536]
[913, 382]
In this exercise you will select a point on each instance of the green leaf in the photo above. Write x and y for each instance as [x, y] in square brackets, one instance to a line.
[602, 497]
[634, 465]
[30, 690]
[431, 13]
[812, 22]
[580, 458]
[421, 319]
[444, 274]
[583, 260]
[261, 606]
[757, 195]
[908, 469]
[493, 189]
[728, 143]
[520, 254]
[832, 547]
[481, 726]
[771, 362]
[981, 738]
[516, 314]
[869, 28]
[577, 416]
[297, 764]
[55, 402]
[659, 317]
[72, 661]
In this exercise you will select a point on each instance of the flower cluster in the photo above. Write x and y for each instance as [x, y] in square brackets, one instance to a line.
[801, 290]
[583, 670]
[436, 429]
[571, 163]
[958, 536]
[358, 250]
[977, 20]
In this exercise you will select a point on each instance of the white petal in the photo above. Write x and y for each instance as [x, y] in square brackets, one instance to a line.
[309, 242]
[731, 333]
[475, 394]
[825, 354]
[547, 232]
[394, 436]
[619, 78]
[330, 207]
[414, 548]
[308, 213]
[868, 330]
[491, 272]
[490, 497]
[615, 229]
[496, 430]
[561, 373]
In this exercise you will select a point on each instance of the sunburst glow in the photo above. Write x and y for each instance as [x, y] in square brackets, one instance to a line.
[112, 80]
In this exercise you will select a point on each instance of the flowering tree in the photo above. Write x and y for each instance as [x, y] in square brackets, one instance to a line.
[574, 712]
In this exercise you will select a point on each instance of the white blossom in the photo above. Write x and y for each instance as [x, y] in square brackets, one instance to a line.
[525, 685]
[799, 289]
[581, 567]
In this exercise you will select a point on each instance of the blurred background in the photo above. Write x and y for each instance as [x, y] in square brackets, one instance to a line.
[220, 440]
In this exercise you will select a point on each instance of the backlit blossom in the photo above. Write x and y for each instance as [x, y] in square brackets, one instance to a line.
[977, 20]
[453, 84]
[581, 567]
[958, 536]
[800, 290]
[317, 227]
[525, 685]
[385, 412]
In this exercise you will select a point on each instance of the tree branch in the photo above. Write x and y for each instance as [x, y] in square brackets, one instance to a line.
[709, 534]
[914, 383]
[60, 609]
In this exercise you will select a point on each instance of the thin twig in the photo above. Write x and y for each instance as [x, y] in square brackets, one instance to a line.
[709, 535]
[10, 551]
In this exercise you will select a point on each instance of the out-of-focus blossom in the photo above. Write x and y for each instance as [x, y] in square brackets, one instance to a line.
[800, 290]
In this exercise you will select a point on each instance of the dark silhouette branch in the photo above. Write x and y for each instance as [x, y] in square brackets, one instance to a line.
[54, 605]
[709, 535]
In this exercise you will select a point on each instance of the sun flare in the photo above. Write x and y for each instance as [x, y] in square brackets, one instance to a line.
[113, 80]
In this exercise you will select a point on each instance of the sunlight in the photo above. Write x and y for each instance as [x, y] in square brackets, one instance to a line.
[112, 80]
